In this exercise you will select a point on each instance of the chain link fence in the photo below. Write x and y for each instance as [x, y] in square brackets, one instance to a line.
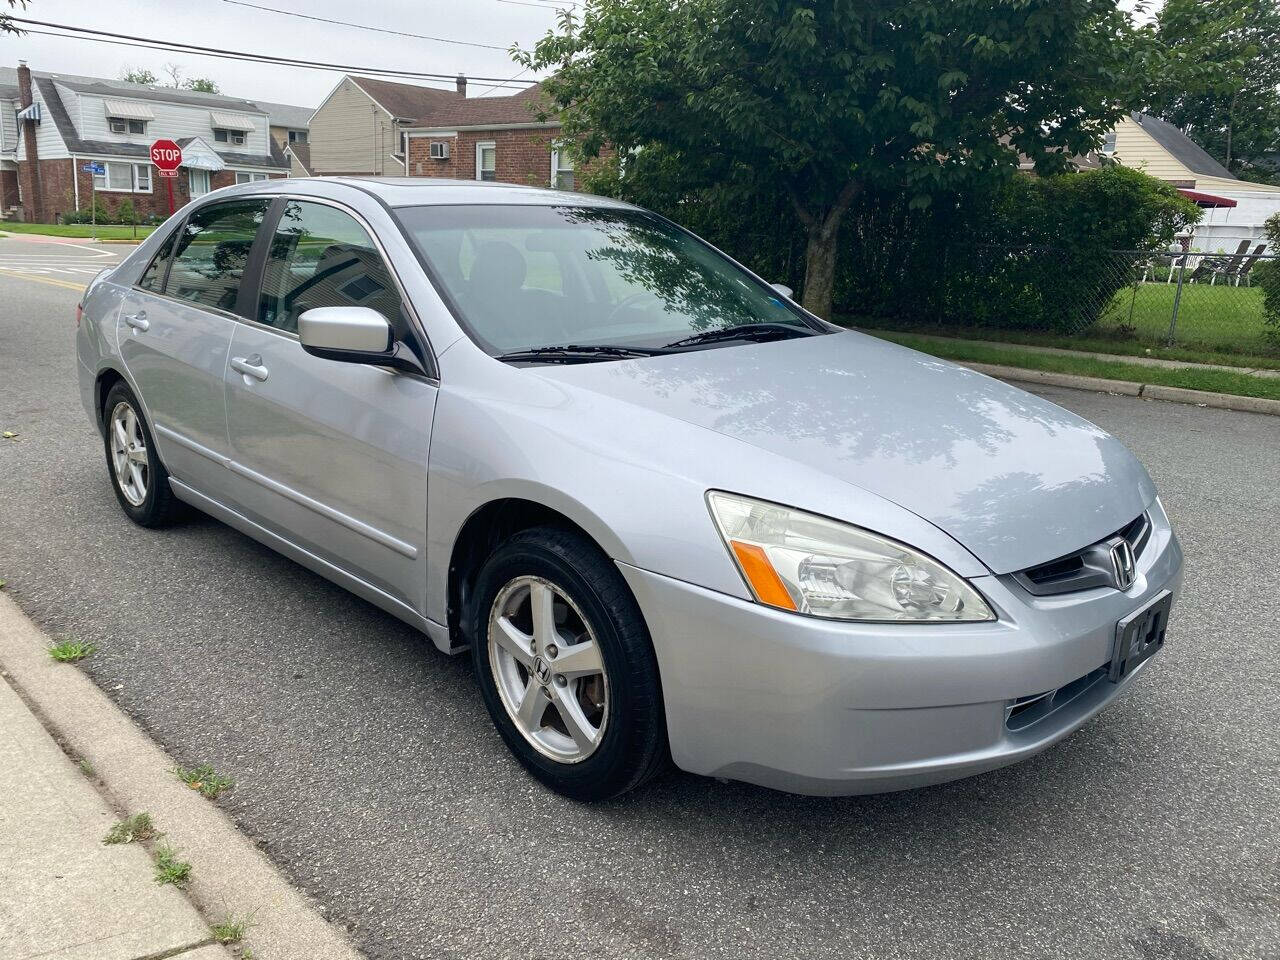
[1210, 301]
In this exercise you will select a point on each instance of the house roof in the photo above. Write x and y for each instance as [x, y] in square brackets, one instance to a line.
[481, 111]
[405, 101]
[71, 137]
[431, 108]
[303, 152]
[1181, 147]
[136, 91]
[286, 115]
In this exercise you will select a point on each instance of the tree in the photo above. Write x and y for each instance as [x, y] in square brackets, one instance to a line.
[6, 20]
[174, 71]
[202, 85]
[821, 101]
[1218, 77]
[138, 75]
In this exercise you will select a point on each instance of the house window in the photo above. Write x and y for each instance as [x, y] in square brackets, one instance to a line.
[233, 137]
[297, 136]
[198, 181]
[1109, 144]
[124, 177]
[487, 161]
[250, 177]
[561, 170]
[127, 126]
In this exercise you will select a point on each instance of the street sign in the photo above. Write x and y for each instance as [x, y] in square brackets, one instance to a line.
[97, 169]
[166, 155]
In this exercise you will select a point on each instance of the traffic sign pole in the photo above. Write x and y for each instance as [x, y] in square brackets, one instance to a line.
[168, 182]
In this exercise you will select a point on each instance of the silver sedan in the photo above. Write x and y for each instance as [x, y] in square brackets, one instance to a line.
[672, 515]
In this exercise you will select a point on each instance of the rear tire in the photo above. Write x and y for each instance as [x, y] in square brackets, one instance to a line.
[139, 479]
[566, 667]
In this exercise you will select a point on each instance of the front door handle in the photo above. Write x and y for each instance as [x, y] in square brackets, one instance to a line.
[138, 320]
[250, 366]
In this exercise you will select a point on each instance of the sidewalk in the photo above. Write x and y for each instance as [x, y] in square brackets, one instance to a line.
[71, 764]
[63, 893]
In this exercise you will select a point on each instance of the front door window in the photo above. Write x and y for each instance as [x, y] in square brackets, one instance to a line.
[199, 183]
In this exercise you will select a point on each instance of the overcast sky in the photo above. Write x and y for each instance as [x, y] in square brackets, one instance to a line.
[219, 23]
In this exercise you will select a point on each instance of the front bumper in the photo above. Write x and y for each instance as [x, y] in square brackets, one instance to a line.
[823, 707]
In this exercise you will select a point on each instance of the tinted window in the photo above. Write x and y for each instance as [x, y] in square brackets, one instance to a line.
[321, 257]
[531, 276]
[153, 277]
[213, 249]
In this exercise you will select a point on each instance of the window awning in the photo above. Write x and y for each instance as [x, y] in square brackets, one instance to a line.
[230, 121]
[128, 110]
[1206, 199]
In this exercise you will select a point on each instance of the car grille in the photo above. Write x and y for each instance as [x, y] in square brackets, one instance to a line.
[1085, 568]
[1025, 711]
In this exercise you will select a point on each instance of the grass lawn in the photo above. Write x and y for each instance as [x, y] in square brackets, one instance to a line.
[1216, 324]
[1218, 381]
[106, 231]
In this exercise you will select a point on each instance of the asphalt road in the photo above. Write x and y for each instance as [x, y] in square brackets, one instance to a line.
[367, 768]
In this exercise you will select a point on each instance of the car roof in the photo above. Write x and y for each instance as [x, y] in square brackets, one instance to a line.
[426, 191]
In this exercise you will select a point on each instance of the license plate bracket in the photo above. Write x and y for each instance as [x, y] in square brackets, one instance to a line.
[1139, 636]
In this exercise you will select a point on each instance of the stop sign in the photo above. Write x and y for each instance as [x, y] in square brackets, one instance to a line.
[166, 155]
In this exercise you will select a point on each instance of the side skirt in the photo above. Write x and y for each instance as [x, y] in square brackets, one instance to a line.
[438, 633]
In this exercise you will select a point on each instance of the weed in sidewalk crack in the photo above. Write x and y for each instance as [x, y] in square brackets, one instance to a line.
[204, 778]
[86, 767]
[231, 929]
[169, 868]
[67, 650]
[138, 827]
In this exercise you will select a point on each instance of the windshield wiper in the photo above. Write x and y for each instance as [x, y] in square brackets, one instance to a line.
[758, 332]
[575, 353]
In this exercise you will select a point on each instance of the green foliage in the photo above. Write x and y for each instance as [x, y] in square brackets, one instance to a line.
[1216, 75]
[125, 213]
[202, 85]
[67, 650]
[1266, 274]
[139, 75]
[170, 868]
[204, 779]
[813, 104]
[231, 929]
[138, 827]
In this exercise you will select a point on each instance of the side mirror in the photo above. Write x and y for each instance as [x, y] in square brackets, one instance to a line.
[345, 330]
[783, 289]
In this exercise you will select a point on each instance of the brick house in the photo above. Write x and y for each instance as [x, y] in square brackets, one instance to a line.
[425, 132]
[64, 123]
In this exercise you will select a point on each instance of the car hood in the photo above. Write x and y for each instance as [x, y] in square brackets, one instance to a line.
[1014, 478]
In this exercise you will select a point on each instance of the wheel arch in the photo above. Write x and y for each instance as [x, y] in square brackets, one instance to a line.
[481, 533]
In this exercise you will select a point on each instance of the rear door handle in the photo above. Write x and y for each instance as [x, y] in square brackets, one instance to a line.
[138, 320]
[250, 366]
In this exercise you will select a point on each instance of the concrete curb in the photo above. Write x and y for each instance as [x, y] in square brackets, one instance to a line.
[1147, 391]
[229, 873]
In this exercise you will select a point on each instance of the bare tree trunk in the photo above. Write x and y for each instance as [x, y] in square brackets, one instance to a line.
[821, 252]
[820, 272]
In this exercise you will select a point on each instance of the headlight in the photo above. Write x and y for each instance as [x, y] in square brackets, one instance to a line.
[798, 561]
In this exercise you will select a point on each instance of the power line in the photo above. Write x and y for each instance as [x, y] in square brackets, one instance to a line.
[362, 26]
[151, 43]
[523, 3]
[516, 77]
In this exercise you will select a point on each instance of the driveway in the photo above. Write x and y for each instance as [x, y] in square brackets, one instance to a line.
[367, 768]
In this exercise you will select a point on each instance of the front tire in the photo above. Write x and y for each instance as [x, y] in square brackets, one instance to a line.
[139, 479]
[566, 667]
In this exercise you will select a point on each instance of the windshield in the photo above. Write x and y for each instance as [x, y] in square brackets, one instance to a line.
[530, 277]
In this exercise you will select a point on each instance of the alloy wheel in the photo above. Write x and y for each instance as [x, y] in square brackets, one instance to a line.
[129, 453]
[548, 669]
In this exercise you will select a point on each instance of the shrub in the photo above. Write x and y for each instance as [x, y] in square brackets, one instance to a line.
[125, 213]
[1266, 274]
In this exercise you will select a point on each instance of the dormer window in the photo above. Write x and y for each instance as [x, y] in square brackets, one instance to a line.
[128, 126]
[233, 129]
[127, 118]
[233, 137]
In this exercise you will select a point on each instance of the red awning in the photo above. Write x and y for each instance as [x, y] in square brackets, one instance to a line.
[1207, 199]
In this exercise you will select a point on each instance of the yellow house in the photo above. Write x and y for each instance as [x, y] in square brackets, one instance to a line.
[1234, 209]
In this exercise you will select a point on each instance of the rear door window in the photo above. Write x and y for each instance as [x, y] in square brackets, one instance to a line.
[213, 251]
[322, 257]
[153, 277]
